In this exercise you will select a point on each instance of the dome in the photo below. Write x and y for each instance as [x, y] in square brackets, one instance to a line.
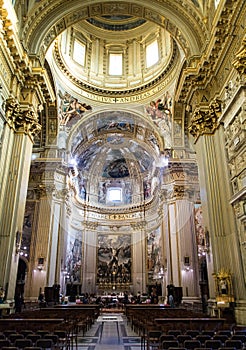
[114, 56]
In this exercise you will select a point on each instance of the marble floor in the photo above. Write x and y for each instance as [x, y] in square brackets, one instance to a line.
[110, 338]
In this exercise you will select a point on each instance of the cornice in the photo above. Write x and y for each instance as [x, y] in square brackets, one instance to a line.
[197, 75]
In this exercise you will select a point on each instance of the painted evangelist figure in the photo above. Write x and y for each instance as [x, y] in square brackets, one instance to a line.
[160, 112]
[70, 107]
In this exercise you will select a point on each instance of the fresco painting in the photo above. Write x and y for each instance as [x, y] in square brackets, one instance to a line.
[70, 109]
[74, 257]
[154, 255]
[160, 112]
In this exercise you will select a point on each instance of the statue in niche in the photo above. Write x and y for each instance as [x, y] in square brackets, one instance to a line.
[224, 290]
[223, 287]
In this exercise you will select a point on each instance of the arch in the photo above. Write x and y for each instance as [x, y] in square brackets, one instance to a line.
[50, 18]
[96, 115]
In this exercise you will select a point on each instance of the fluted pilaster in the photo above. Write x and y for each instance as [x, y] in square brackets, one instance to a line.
[15, 165]
[217, 211]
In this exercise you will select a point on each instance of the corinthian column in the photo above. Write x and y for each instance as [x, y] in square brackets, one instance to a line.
[20, 127]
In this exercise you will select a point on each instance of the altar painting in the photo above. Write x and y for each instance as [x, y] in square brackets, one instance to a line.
[114, 259]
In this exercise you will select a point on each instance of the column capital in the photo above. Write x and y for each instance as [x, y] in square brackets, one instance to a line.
[43, 191]
[205, 120]
[136, 226]
[240, 61]
[21, 120]
[91, 225]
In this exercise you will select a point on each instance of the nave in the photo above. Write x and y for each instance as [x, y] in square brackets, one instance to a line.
[111, 338]
[116, 330]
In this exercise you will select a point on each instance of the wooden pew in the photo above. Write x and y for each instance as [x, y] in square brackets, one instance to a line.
[184, 323]
[33, 324]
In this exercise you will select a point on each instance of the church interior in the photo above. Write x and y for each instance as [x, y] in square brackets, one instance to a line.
[122, 152]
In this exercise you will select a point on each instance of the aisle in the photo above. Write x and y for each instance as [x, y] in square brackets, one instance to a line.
[109, 340]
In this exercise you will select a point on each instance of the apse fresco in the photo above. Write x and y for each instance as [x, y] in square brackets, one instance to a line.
[82, 184]
[86, 158]
[114, 259]
[116, 168]
[74, 257]
[115, 123]
[115, 165]
[147, 189]
[160, 112]
[154, 257]
[144, 159]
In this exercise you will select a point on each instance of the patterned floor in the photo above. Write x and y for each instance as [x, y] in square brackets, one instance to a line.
[109, 340]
